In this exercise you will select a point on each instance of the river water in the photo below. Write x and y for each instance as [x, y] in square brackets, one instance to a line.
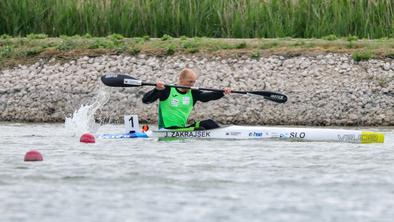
[191, 180]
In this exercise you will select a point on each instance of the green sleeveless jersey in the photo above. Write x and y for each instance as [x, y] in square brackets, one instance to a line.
[175, 110]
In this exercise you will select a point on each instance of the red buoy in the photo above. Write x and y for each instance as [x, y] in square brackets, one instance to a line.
[33, 155]
[87, 138]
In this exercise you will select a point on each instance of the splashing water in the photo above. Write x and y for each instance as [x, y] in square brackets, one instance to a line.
[83, 119]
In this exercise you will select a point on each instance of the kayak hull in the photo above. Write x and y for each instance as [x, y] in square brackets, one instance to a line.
[297, 134]
[123, 135]
[261, 133]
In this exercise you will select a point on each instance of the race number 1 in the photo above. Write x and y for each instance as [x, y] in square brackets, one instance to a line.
[131, 123]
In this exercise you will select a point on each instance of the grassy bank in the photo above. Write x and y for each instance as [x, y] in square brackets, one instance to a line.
[29, 49]
[212, 18]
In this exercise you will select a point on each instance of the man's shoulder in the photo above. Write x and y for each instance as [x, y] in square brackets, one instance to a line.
[196, 91]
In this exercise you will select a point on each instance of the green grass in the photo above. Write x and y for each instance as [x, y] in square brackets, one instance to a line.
[362, 55]
[24, 49]
[370, 19]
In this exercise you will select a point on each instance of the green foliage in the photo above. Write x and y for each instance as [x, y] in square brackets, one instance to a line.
[67, 44]
[310, 45]
[190, 44]
[146, 37]
[37, 36]
[5, 36]
[269, 45]
[361, 55]
[183, 38]
[116, 36]
[134, 50]
[87, 36]
[351, 38]
[299, 43]
[331, 37]
[30, 51]
[241, 45]
[99, 43]
[255, 55]
[193, 50]
[166, 37]
[139, 40]
[219, 18]
[6, 51]
[170, 50]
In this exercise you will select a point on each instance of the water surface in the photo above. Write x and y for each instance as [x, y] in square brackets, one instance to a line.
[191, 180]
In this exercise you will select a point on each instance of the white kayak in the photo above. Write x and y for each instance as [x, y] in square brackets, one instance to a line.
[259, 132]
[132, 130]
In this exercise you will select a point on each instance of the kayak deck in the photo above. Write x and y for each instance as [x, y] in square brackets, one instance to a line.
[258, 132]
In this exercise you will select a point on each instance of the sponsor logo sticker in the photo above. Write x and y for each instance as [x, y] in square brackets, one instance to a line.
[277, 97]
[233, 133]
[256, 134]
[299, 135]
[192, 134]
[349, 138]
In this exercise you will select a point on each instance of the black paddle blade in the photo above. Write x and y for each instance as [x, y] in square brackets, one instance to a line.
[120, 80]
[273, 96]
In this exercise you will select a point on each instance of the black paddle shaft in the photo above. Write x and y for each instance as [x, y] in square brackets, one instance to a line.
[121, 80]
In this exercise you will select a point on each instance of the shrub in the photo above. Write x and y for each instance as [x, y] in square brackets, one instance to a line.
[299, 43]
[269, 45]
[351, 38]
[37, 36]
[171, 50]
[190, 44]
[67, 44]
[139, 40]
[241, 45]
[166, 37]
[361, 55]
[255, 55]
[5, 36]
[331, 37]
[87, 36]
[134, 50]
[193, 50]
[101, 43]
[30, 51]
[146, 37]
[120, 49]
[5, 52]
[115, 36]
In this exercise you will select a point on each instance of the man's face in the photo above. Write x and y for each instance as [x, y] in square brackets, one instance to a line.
[188, 80]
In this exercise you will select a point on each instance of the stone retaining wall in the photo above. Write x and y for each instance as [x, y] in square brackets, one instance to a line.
[329, 89]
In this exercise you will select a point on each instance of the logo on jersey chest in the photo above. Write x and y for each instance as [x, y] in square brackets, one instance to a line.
[185, 101]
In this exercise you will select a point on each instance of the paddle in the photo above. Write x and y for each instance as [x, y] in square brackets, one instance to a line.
[120, 80]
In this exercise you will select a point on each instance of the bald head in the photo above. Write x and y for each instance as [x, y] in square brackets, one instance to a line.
[187, 73]
[187, 77]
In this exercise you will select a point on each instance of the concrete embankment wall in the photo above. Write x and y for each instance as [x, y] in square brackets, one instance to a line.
[329, 89]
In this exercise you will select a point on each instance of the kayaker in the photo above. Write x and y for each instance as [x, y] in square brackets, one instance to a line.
[175, 105]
